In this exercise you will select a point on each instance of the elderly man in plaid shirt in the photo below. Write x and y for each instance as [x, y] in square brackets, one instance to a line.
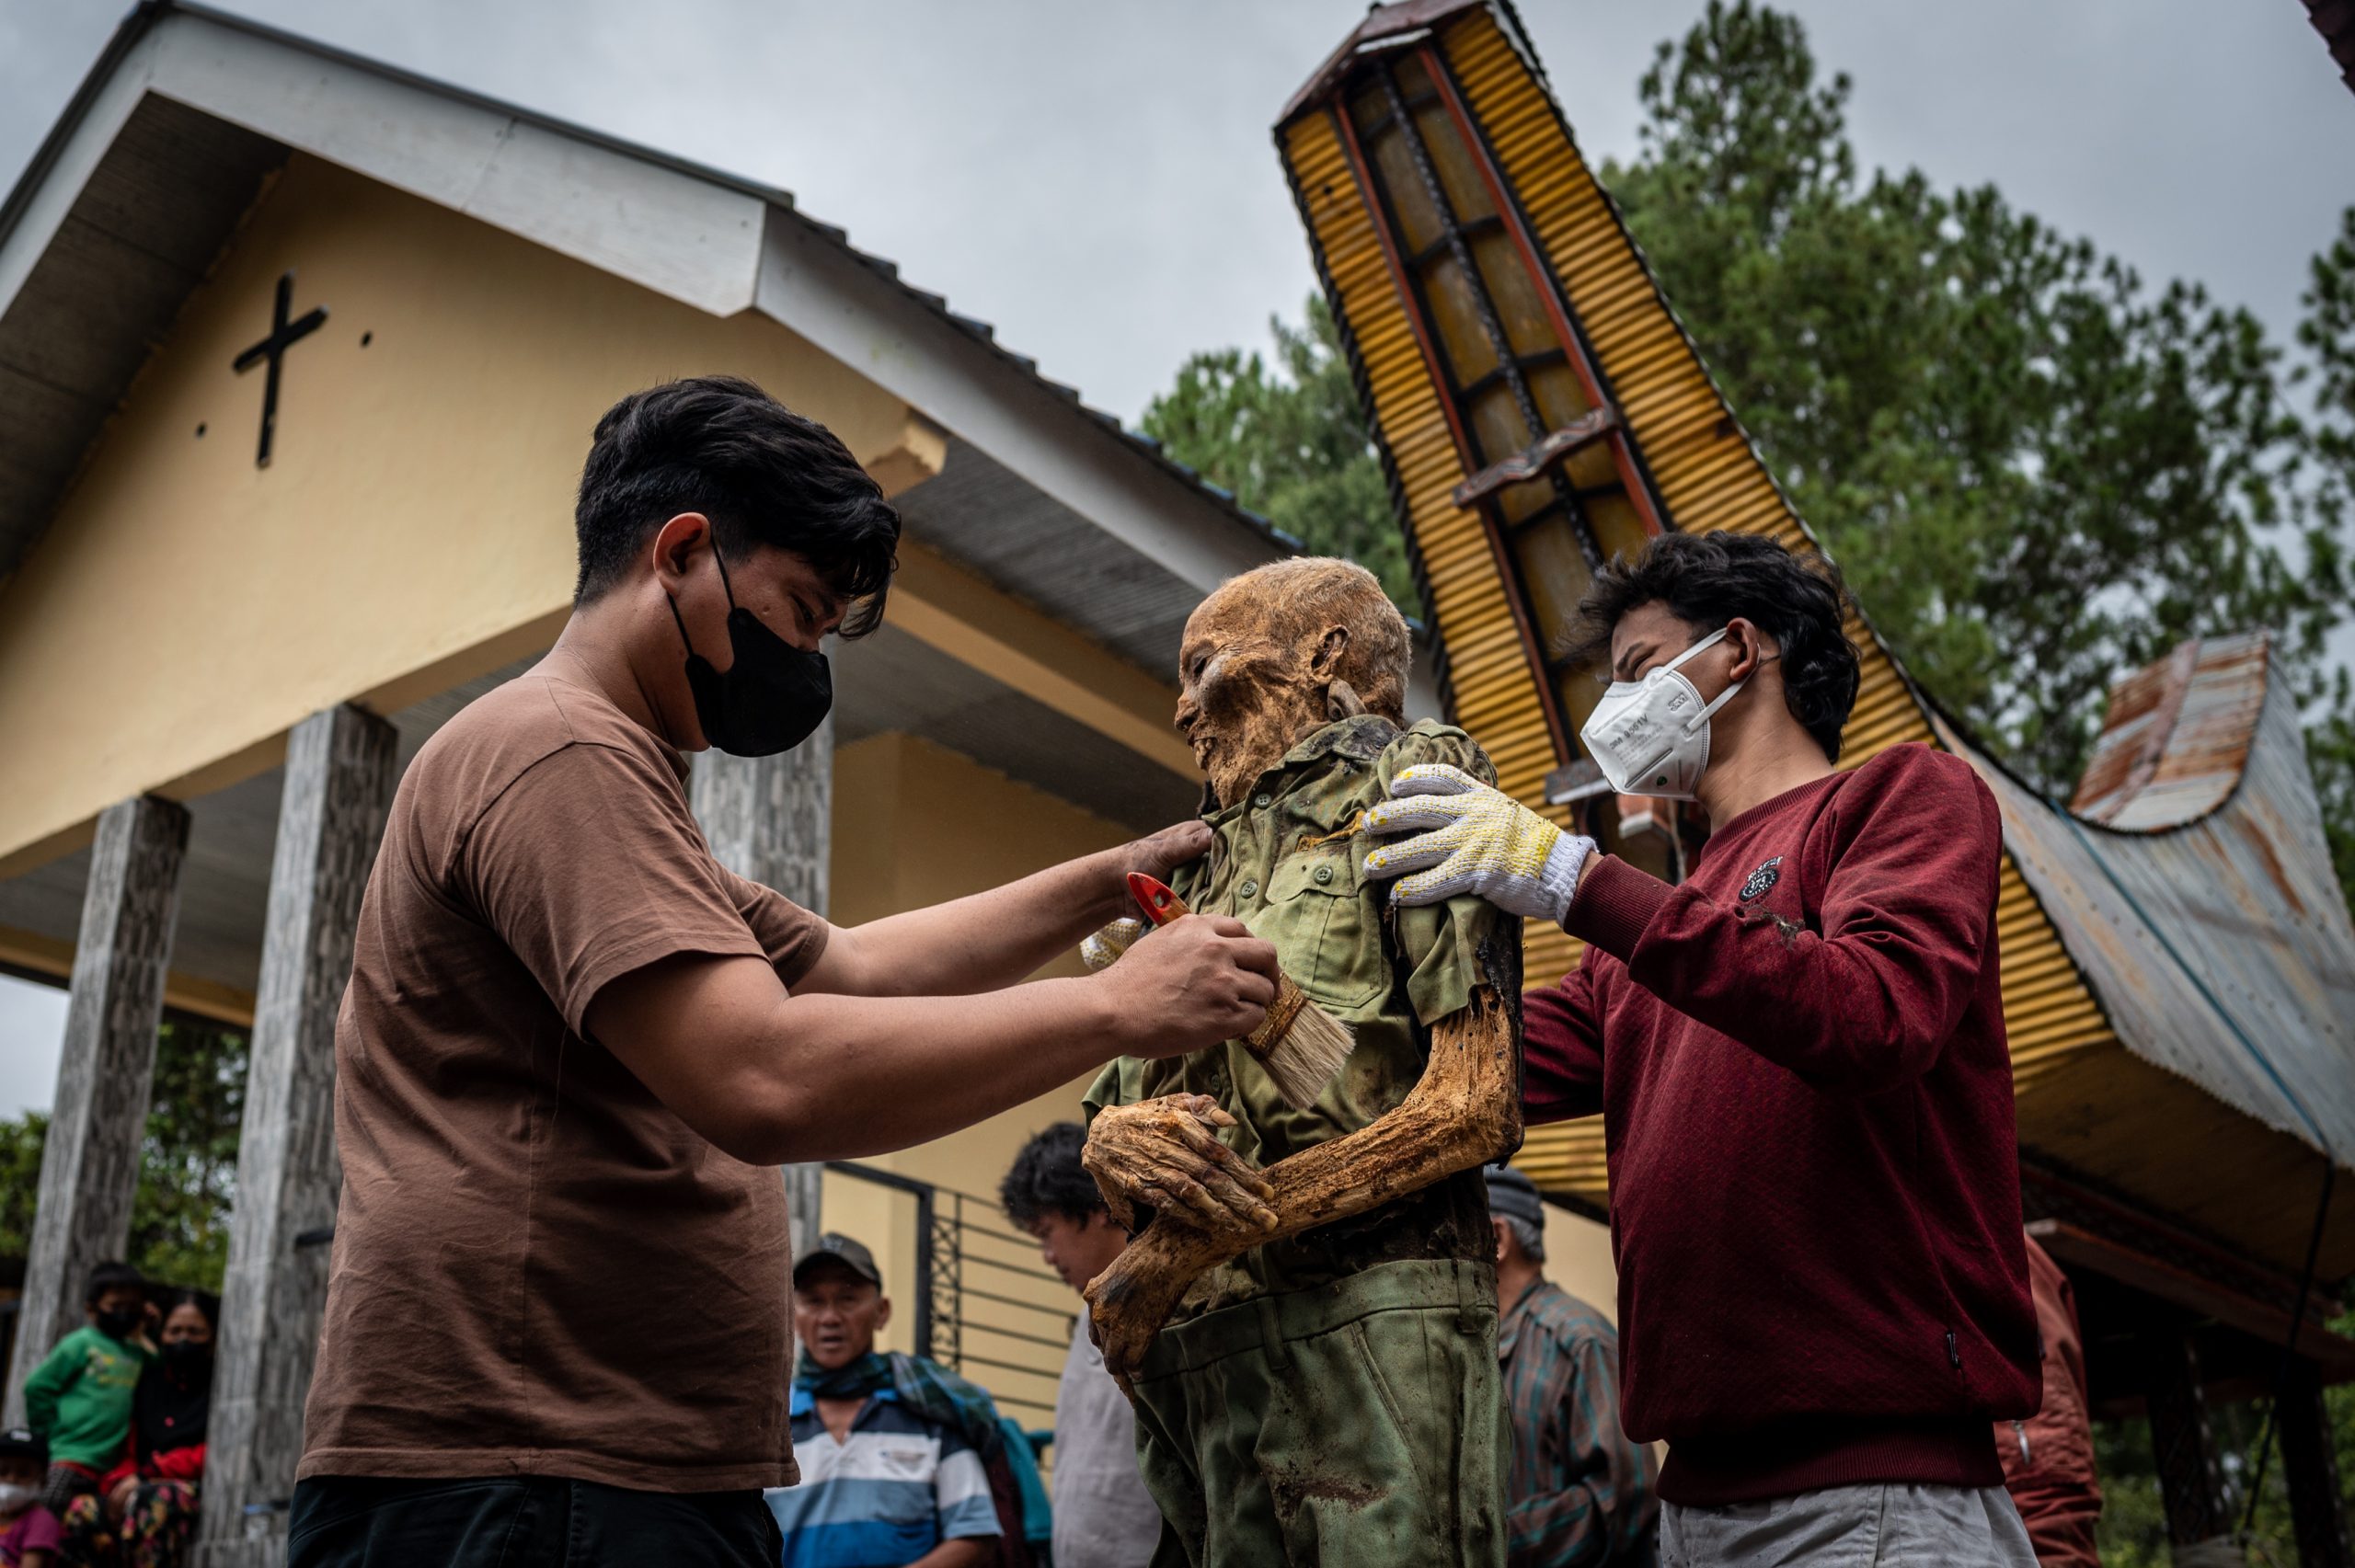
[1579, 1492]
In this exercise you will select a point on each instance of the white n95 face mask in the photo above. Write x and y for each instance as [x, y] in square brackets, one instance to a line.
[1651, 736]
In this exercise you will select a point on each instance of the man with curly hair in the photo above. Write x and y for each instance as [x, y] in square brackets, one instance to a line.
[1103, 1518]
[1800, 1056]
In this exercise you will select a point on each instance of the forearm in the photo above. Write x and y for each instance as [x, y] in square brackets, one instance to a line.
[44, 1389]
[964, 1551]
[1858, 1010]
[837, 1077]
[983, 940]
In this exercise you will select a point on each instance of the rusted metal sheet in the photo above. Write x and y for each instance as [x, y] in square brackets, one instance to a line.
[2177, 735]
[2218, 943]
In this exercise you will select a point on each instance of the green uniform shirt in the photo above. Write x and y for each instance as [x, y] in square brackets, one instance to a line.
[80, 1397]
[1288, 860]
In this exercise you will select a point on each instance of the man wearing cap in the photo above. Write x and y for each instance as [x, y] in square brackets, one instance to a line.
[887, 1480]
[1579, 1493]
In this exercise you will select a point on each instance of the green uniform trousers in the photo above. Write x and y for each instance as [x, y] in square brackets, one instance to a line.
[1351, 1425]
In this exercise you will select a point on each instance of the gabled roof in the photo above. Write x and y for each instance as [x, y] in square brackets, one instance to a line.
[2192, 886]
[169, 138]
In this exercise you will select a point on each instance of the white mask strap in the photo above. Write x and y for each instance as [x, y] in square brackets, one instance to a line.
[1711, 640]
[1723, 697]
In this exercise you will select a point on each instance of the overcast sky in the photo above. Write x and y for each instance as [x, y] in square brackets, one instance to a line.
[1094, 177]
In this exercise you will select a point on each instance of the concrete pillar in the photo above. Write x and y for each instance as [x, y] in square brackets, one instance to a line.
[771, 820]
[2310, 1465]
[89, 1168]
[2191, 1482]
[339, 776]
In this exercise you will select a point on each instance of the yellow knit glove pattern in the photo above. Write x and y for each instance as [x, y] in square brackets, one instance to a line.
[1469, 838]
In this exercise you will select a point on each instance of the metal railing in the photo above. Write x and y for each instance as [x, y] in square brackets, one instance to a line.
[985, 1305]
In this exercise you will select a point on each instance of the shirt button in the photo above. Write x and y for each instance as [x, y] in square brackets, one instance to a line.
[1263, 801]
[1249, 890]
[1324, 873]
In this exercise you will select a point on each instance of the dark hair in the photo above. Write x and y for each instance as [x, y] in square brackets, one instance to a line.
[763, 474]
[1707, 579]
[202, 1300]
[1048, 1178]
[112, 1276]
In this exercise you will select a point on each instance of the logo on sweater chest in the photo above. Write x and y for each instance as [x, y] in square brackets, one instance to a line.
[1765, 876]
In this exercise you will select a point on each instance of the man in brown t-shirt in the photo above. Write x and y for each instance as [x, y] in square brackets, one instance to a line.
[574, 1045]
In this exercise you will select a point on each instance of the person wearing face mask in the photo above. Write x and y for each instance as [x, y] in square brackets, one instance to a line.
[29, 1532]
[79, 1397]
[574, 1047]
[1800, 1056]
[144, 1513]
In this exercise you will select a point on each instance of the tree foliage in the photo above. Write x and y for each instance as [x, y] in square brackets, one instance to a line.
[1290, 442]
[2037, 471]
[188, 1164]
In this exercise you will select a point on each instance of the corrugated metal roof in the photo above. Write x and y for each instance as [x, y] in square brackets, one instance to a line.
[2205, 913]
[2180, 1122]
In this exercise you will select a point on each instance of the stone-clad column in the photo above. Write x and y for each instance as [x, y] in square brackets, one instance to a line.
[89, 1168]
[339, 776]
[771, 819]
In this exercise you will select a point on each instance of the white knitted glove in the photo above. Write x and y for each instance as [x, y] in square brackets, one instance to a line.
[1471, 838]
[1098, 951]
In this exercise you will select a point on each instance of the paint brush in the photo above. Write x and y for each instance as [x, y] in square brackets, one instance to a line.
[1299, 1044]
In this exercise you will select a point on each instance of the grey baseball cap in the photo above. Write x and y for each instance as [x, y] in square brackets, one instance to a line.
[853, 1255]
[1512, 1196]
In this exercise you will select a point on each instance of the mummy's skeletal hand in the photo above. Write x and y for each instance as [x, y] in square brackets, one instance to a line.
[1165, 1154]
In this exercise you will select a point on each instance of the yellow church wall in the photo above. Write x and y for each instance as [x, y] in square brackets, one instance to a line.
[916, 823]
[413, 528]
[1578, 1258]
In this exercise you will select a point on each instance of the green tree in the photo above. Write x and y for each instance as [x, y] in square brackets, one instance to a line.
[2037, 471]
[188, 1167]
[2327, 334]
[1290, 442]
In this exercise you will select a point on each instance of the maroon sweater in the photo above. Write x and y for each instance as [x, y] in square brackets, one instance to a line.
[1807, 1100]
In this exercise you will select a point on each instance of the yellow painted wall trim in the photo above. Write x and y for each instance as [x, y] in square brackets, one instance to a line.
[185, 993]
[965, 618]
[41, 852]
[922, 452]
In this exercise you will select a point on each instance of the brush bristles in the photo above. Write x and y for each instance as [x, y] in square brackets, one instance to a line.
[1306, 1056]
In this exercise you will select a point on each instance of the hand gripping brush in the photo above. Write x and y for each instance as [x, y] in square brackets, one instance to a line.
[1299, 1044]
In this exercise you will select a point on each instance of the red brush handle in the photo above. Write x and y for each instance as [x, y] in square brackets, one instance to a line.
[1160, 905]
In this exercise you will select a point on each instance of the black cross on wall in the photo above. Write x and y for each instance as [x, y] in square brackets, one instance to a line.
[282, 336]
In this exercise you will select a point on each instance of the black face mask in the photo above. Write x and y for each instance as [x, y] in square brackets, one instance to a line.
[120, 1325]
[771, 699]
[185, 1356]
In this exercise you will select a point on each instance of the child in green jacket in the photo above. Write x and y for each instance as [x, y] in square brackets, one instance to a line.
[79, 1399]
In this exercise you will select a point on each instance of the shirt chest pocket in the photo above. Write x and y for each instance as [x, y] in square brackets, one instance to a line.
[1326, 926]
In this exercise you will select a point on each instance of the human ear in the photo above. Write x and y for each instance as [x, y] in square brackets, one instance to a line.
[1329, 648]
[1751, 649]
[882, 1313]
[676, 543]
